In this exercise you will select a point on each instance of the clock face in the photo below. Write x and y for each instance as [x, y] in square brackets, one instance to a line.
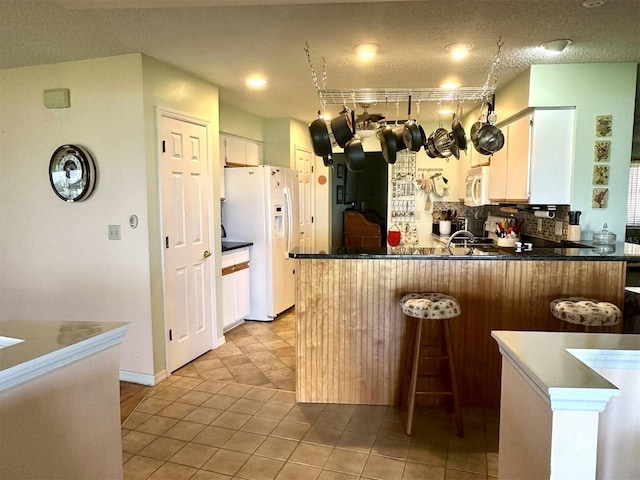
[72, 173]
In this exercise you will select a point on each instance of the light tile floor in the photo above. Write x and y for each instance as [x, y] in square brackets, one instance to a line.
[210, 420]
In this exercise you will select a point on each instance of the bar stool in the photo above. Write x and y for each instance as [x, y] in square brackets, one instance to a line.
[588, 312]
[432, 306]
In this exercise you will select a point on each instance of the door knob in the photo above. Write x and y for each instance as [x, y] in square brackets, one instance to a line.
[206, 254]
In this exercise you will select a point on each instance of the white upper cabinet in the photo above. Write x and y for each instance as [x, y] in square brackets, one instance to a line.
[238, 151]
[535, 164]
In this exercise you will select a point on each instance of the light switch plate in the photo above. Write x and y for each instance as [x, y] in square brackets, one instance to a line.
[114, 232]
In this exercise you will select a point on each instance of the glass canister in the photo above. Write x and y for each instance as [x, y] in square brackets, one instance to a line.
[604, 237]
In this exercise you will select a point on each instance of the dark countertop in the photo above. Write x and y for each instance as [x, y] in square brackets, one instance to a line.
[624, 252]
[227, 246]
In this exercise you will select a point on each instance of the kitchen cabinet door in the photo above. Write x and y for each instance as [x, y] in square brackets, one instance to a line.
[235, 287]
[517, 141]
[498, 172]
[552, 152]
[535, 164]
[252, 154]
[238, 151]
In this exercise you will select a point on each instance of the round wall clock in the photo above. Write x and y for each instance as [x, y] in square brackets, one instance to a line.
[72, 173]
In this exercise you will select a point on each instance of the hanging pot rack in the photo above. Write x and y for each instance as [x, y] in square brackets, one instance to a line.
[337, 96]
[340, 96]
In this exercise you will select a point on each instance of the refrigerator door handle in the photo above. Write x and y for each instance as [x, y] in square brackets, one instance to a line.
[288, 220]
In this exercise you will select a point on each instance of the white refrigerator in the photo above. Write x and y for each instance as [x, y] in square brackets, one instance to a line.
[261, 206]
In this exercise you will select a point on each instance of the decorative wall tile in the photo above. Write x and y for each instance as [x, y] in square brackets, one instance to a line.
[603, 125]
[600, 198]
[601, 174]
[602, 151]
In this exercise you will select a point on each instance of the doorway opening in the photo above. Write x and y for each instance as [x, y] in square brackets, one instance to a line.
[362, 195]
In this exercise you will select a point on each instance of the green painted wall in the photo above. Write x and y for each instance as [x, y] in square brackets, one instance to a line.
[594, 89]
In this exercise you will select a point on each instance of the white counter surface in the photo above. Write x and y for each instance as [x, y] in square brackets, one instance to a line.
[562, 364]
[48, 345]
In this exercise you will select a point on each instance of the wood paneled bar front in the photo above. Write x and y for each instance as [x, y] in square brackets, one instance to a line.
[352, 337]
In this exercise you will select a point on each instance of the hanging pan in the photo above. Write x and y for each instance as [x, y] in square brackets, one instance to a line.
[342, 128]
[411, 136]
[488, 138]
[320, 137]
[457, 131]
[354, 152]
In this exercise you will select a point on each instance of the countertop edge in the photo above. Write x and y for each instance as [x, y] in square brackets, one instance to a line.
[561, 366]
[41, 365]
[234, 245]
[622, 252]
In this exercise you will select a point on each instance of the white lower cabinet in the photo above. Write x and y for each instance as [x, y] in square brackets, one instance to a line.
[235, 287]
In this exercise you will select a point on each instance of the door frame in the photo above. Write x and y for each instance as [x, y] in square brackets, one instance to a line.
[165, 112]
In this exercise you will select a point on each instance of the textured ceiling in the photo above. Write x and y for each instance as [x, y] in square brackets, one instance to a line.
[223, 41]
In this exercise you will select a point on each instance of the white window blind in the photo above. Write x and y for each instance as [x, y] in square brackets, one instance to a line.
[633, 200]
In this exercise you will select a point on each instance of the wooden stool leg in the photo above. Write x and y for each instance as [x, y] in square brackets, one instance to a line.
[414, 377]
[454, 384]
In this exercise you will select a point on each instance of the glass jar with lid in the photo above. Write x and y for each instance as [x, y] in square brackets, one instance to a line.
[604, 237]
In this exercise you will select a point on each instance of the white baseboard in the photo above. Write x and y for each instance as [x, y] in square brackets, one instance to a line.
[221, 341]
[143, 378]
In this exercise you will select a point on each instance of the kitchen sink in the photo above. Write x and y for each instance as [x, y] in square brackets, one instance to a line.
[476, 252]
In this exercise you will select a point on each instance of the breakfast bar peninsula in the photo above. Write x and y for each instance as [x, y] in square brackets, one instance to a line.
[352, 337]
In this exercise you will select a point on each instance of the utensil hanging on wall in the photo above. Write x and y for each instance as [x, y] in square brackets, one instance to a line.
[394, 236]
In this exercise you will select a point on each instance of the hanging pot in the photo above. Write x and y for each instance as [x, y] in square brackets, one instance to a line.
[399, 133]
[454, 147]
[442, 142]
[394, 235]
[320, 137]
[342, 128]
[430, 148]
[327, 160]
[475, 128]
[388, 144]
[354, 152]
[489, 138]
[457, 131]
[411, 135]
[354, 155]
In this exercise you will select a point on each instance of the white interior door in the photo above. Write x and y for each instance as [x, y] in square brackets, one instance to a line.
[186, 197]
[304, 165]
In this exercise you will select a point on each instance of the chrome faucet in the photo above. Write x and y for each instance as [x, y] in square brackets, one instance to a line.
[461, 233]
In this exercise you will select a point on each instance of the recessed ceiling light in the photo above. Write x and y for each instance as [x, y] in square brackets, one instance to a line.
[450, 86]
[556, 46]
[459, 50]
[256, 82]
[593, 3]
[367, 50]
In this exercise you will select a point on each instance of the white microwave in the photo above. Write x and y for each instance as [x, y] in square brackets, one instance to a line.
[477, 187]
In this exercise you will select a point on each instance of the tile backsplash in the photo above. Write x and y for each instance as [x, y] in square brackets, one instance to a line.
[530, 221]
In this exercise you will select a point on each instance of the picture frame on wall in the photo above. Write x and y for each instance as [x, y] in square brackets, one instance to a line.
[340, 194]
[340, 170]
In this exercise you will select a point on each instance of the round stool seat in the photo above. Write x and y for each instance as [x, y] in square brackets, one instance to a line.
[432, 306]
[586, 311]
